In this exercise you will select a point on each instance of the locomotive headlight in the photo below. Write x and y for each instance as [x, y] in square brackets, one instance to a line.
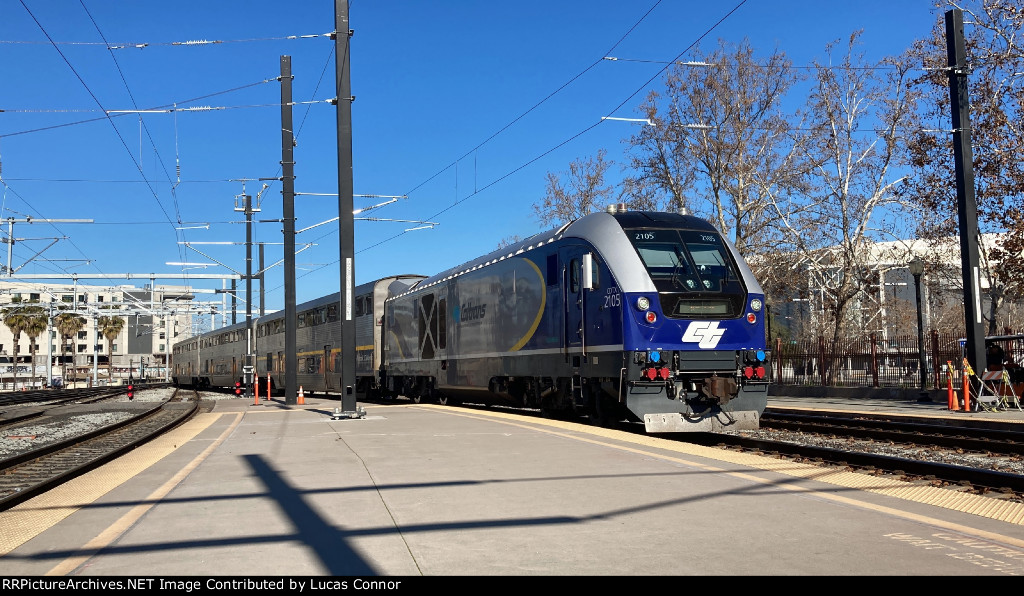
[755, 305]
[643, 303]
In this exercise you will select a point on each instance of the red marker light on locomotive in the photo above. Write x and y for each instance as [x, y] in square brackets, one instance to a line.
[751, 318]
[651, 317]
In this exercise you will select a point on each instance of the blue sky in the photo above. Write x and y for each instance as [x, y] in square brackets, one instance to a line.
[461, 106]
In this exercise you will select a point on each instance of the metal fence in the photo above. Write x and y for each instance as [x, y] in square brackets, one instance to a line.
[877, 362]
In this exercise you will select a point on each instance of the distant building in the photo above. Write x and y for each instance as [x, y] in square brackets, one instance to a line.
[155, 317]
[889, 308]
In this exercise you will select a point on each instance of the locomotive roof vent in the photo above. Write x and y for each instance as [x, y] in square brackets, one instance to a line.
[617, 208]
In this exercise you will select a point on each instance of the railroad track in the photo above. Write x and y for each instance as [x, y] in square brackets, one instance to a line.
[981, 439]
[868, 445]
[30, 473]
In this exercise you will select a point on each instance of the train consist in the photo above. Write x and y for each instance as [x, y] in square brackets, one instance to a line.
[621, 315]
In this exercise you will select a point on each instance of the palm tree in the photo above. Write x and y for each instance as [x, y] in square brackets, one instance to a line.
[110, 327]
[37, 321]
[14, 319]
[68, 325]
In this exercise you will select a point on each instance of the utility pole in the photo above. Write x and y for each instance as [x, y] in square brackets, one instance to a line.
[260, 269]
[49, 343]
[291, 378]
[346, 236]
[95, 350]
[967, 206]
[247, 365]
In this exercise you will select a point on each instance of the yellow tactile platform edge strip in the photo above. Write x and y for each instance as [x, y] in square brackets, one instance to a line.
[26, 520]
[989, 507]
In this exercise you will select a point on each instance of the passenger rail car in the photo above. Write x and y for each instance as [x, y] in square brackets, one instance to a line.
[216, 358]
[653, 317]
[650, 317]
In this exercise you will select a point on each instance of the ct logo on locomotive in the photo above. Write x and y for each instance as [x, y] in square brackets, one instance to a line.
[705, 333]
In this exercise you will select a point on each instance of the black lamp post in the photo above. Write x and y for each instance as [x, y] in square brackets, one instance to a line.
[916, 267]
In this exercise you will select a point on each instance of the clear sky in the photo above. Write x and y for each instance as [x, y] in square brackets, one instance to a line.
[461, 106]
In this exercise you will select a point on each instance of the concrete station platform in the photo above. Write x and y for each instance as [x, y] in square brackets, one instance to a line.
[421, 490]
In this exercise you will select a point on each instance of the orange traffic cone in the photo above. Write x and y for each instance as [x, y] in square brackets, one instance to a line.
[302, 397]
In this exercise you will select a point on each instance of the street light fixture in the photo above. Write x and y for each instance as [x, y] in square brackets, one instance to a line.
[646, 121]
[916, 267]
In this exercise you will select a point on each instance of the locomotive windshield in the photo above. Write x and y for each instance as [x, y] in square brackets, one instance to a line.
[692, 270]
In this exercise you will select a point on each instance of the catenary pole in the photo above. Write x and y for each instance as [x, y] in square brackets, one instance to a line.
[248, 298]
[342, 37]
[291, 378]
[967, 207]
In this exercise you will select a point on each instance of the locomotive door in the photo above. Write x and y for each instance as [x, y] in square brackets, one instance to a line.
[573, 301]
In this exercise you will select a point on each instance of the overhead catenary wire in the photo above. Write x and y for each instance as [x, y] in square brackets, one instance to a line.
[108, 114]
[154, 108]
[98, 103]
[574, 136]
[188, 43]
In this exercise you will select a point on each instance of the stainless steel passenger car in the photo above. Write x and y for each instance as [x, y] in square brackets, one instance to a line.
[217, 358]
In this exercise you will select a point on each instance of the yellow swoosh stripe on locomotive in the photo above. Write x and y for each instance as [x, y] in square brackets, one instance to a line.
[650, 317]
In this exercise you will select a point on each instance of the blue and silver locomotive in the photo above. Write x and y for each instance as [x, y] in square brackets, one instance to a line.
[647, 316]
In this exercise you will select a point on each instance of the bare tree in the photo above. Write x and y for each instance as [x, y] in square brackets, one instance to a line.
[584, 191]
[992, 31]
[720, 143]
[856, 113]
